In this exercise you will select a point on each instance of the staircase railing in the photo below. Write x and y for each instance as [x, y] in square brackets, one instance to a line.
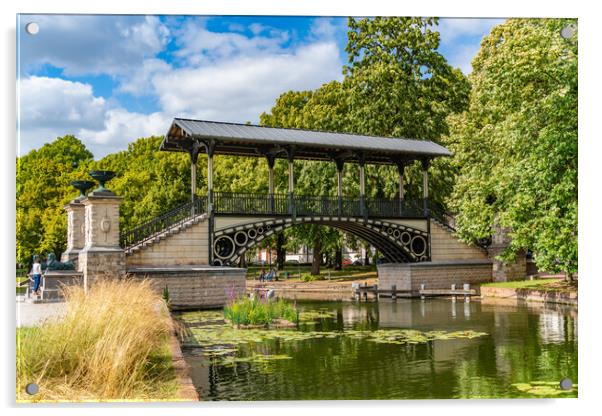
[168, 219]
[441, 215]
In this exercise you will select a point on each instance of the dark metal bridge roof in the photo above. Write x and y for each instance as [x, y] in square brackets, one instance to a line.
[252, 140]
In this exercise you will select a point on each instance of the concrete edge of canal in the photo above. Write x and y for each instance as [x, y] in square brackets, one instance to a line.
[533, 295]
[186, 389]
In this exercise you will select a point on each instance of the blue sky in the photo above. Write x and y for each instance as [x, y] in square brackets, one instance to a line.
[111, 79]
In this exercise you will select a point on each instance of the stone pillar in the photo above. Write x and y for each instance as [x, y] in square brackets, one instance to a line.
[75, 230]
[101, 257]
[505, 271]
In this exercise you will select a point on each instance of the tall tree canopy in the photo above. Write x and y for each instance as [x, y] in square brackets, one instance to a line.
[149, 180]
[43, 189]
[396, 84]
[516, 146]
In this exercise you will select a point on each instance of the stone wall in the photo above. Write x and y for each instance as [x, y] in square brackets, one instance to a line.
[434, 275]
[505, 271]
[188, 247]
[194, 286]
[99, 263]
[446, 246]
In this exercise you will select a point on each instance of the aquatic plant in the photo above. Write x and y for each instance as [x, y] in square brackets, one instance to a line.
[247, 311]
[111, 344]
[306, 316]
[209, 333]
[543, 388]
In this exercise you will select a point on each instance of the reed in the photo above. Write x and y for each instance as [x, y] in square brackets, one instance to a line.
[259, 312]
[111, 345]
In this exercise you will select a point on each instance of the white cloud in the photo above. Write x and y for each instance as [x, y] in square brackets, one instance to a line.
[199, 46]
[240, 89]
[326, 28]
[220, 76]
[461, 39]
[139, 81]
[122, 127]
[87, 44]
[52, 102]
[53, 107]
[453, 28]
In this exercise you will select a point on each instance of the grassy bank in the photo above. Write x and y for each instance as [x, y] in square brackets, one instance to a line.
[537, 284]
[113, 344]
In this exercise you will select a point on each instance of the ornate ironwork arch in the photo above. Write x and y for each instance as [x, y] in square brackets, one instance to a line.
[398, 243]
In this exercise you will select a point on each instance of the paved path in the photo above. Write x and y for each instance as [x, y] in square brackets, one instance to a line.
[33, 314]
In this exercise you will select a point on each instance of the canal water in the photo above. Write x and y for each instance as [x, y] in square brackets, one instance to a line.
[408, 349]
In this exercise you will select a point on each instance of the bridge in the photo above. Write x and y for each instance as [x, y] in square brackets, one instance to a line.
[400, 228]
[194, 250]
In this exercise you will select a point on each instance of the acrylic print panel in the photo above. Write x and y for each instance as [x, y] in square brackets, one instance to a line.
[295, 208]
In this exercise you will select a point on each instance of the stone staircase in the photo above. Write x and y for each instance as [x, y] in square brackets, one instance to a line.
[165, 233]
[445, 245]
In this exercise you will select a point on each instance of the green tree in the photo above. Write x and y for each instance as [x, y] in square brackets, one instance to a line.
[516, 146]
[149, 180]
[42, 189]
[397, 84]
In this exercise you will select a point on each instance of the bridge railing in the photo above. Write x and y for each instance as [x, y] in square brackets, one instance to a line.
[249, 203]
[168, 219]
[237, 203]
[300, 205]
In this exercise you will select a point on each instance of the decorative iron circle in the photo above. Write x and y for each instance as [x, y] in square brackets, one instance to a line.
[405, 238]
[252, 233]
[268, 227]
[223, 247]
[389, 230]
[259, 230]
[423, 258]
[396, 233]
[240, 238]
[217, 262]
[418, 245]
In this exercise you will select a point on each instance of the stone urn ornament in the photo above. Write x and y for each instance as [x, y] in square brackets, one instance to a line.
[82, 187]
[102, 176]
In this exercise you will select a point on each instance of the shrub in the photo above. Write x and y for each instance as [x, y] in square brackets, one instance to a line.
[257, 312]
[111, 344]
[307, 277]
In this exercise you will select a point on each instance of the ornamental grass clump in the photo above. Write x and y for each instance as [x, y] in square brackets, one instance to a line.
[259, 312]
[112, 344]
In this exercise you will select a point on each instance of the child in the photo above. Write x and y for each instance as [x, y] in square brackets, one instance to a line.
[36, 273]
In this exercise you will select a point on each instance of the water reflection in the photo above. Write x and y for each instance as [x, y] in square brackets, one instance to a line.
[525, 343]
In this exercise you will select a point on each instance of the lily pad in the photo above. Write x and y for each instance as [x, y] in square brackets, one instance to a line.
[316, 315]
[543, 388]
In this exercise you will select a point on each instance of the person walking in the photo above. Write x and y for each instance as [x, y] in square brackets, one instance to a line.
[36, 274]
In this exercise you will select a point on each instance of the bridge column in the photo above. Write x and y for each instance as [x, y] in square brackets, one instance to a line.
[425, 195]
[340, 165]
[194, 155]
[400, 170]
[271, 161]
[210, 147]
[425, 185]
[361, 163]
[290, 153]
